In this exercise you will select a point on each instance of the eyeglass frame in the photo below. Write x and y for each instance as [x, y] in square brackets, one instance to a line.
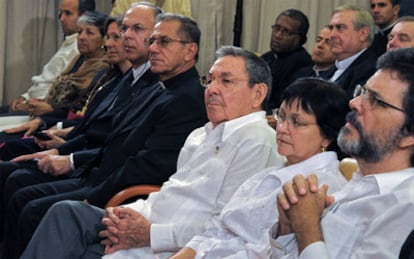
[206, 80]
[361, 90]
[290, 120]
[283, 31]
[163, 41]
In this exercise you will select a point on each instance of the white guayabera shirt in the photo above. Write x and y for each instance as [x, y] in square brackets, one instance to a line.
[212, 164]
[371, 218]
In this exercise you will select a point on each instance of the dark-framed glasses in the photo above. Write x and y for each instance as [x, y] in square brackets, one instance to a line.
[162, 41]
[283, 31]
[293, 121]
[224, 80]
[372, 98]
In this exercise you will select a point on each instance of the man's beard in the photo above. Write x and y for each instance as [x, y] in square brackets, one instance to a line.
[367, 147]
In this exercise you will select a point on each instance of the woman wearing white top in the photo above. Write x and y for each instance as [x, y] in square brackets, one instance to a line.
[309, 119]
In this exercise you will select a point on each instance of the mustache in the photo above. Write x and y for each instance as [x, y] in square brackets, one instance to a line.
[351, 117]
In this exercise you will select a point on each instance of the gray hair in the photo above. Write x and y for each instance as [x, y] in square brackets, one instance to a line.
[94, 18]
[188, 31]
[257, 69]
[361, 19]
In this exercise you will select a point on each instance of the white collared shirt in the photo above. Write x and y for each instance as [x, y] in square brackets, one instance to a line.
[212, 164]
[54, 68]
[342, 65]
[242, 228]
[371, 218]
[139, 71]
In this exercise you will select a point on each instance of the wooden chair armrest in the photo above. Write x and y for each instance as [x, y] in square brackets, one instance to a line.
[348, 166]
[131, 192]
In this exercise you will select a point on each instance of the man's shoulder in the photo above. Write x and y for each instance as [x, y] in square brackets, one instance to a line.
[255, 131]
[368, 57]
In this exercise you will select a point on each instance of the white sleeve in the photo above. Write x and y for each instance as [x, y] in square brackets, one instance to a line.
[315, 250]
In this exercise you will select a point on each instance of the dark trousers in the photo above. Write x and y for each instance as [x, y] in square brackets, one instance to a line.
[31, 194]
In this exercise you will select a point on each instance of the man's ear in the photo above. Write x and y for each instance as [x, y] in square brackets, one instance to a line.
[259, 94]
[364, 33]
[407, 141]
[191, 51]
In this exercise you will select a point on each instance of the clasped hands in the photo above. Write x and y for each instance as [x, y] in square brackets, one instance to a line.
[125, 228]
[300, 207]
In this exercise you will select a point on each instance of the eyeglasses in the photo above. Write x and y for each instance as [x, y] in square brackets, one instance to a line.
[292, 121]
[224, 80]
[283, 31]
[136, 28]
[372, 98]
[163, 41]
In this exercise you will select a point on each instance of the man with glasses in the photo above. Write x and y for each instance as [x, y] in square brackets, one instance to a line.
[287, 54]
[214, 161]
[372, 215]
[143, 145]
[352, 31]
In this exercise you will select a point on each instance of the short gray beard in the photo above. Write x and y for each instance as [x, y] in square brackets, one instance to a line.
[367, 147]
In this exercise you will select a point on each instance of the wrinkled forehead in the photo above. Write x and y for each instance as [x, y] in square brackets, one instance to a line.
[139, 15]
[343, 17]
[229, 66]
[167, 28]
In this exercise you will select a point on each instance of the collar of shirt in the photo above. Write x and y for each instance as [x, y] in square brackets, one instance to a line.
[372, 184]
[344, 64]
[178, 79]
[382, 31]
[388, 181]
[229, 127]
[70, 39]
[139, 71]
[319, 70]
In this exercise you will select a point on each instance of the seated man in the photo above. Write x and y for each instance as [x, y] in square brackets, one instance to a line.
[322, 57]
[385, 15]
[402, 34]
[89, 113]
[215, 160]
[287, 53]
[352, 31]
[154, 125]
[372, 215]
[70, 10]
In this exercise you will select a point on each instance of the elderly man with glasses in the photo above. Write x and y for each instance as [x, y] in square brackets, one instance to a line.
[146, 138]
[214, 161]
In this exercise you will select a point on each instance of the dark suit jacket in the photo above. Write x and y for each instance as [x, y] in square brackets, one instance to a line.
[407, 250]
[309, 72]
[282, 69]
[97, 123]
[379, 44]
[358, 72]
[90, 132]
[145, 145]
